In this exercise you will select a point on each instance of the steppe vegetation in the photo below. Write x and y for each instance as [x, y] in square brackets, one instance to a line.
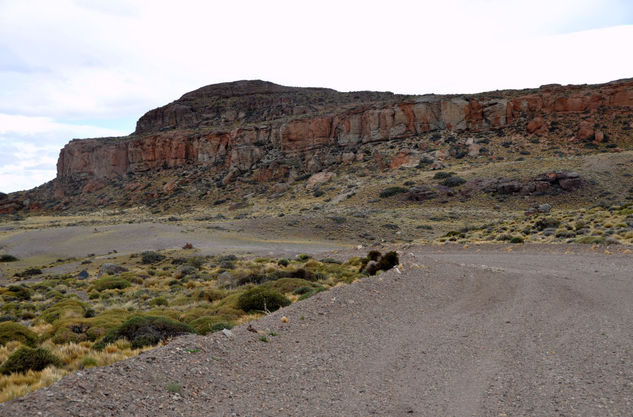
[51, 325]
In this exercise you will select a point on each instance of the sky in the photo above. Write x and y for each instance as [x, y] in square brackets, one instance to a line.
[80, 68]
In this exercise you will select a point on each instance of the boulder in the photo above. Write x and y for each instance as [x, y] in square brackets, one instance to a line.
[319, 178]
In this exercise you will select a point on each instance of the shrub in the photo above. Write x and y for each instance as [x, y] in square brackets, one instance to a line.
[151, 257]
[262, 299]
[28, 273]
[373, 255]
[12, 331]
[145, 331]
[453, 181]
[285, 285]
[26, 358]
[443, 175]
[546, 223]
[7, 258]
[210, 324]
[67, 308]
[158, 301]
[330, 261]
[311, 293]
[283, 262]
[517, 239]
[388, 261]
[391, 191]
[111, 283]
[20, 292]
[88, 362]
[302, 290]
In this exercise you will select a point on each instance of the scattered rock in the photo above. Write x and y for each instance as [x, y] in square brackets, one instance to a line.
[83, 274]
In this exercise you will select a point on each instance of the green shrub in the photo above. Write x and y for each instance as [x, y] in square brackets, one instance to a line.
[302, 290]
[26, 358]
[111, 283]
[453, 181]
[151, 257]
[10, 331]
[286, 285]
[7, 258]
[210, 324]
[20, 292]
[283, 262]
[391, 191]
[70, 307]
[88, 362]
[158, 301]
[330, 261]
[262, 299]
[517, 239]
[145, 331]
[311, 293]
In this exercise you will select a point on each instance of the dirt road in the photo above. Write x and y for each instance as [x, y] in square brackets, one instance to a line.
[456, 333]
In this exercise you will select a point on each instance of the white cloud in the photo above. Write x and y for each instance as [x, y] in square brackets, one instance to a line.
[30, 146]
[88, 61]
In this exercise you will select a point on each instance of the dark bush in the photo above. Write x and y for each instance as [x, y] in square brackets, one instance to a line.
[443, 175]
[28, 272]
[262, 299]
[388, 261]
[453, 181]
[111, 283]
[12, 331]
[7, 258]
[517, 239]
[151, 257]
[546, 223]
[391, 191]
[374, 255]
[145, 331]
[283, 262]
[26, 358]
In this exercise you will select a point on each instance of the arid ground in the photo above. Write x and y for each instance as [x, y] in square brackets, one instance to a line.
[503, 330]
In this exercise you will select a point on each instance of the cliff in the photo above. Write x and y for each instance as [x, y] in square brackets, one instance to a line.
[262, 131]
[236, 126]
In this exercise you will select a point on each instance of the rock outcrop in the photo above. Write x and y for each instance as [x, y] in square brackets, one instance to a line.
[264, 132]
[237, 127]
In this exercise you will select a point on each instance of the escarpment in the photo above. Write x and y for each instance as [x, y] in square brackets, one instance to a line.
[259, 131]
[238, 126]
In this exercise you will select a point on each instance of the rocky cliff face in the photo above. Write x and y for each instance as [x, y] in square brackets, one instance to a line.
[242, 126]
[259, 131]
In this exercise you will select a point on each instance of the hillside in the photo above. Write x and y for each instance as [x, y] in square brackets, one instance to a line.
[237, 140]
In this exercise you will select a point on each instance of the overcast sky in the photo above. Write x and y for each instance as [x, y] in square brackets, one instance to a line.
[82, 68]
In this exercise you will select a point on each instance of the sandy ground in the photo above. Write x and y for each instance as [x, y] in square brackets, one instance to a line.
[458, 332]
[80, 241]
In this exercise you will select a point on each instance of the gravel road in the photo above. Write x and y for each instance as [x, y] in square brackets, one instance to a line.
[459, 332]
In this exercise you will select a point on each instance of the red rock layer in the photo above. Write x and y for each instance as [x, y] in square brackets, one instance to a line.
[241, 148]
